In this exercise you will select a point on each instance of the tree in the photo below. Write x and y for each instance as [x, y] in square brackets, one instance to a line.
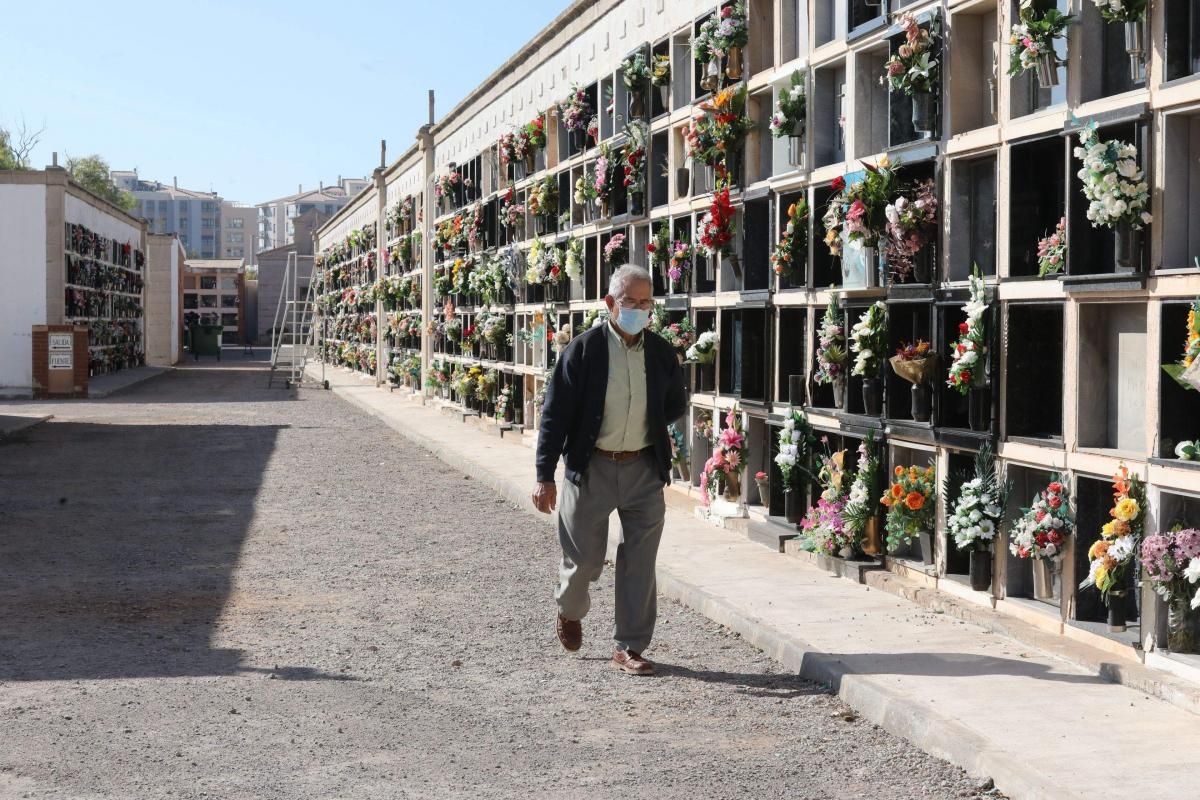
[92, 173]
[15, 152]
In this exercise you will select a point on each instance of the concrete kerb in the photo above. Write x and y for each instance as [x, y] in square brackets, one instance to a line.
[10, 425]
[936, 735]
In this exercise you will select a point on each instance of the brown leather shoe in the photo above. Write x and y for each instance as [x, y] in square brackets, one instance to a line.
[570, 633]
[632, 663]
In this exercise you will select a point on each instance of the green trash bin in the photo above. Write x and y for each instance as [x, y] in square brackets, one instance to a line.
[206, 340]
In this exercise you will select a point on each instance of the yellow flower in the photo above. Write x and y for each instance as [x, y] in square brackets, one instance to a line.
[884, 161]
[1126, 510]
[1107, 529]
[1098, 549]
[1102, 577]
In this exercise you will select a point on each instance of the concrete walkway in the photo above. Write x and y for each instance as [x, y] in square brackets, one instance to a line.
[1039, 726]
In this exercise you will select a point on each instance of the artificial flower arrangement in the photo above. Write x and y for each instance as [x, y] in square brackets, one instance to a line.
[534, 132]
[717, 226]
[967, 355]
[543, 197]
[790, 108]
[704, 351]
[702, 44]
[732, 30]
[1113, 553]
[1113, 183]
[576, 110]
[1052, 251]
[464, 381]
[1172, 563]
[562, 338]
[503, 403]
[635, 72]
[860, 505]
[975, 520]
[680, 454]
[453, 328]
[718, 127]
[658, 249]
[681, 262]
[912, 69]
[602, 177]
[831, 345]
[914, 362]
[595, 317]
[1122, 10]
[825, 525]
[660, 70]
[493, 328]
[868, 339]
[680, 335]
[444, 184]
[910, 505]
[1033, 37]
[834, 218]
[436, 378]
[512, 212]
[485, 384]
[792, 248]
[727, 461]
[460, 273]
[867, 200]
[513, 147]
[703, 426]
[615, 250]
[911, 225]
[1042, 530]
[585, 191]
[573, 258]
[634, 157]
[1186, 371]
[796, 443]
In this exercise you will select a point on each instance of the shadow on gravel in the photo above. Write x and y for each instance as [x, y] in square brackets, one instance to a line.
[118, 545]
[214, 382]
[753, 684]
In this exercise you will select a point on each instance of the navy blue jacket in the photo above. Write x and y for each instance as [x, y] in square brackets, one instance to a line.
[574, 403]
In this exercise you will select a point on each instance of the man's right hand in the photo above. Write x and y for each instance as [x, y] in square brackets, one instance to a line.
[545, 497]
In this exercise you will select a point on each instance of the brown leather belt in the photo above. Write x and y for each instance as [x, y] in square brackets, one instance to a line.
[620, 455]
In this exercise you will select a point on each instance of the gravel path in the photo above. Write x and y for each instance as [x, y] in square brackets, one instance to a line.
[210, 591]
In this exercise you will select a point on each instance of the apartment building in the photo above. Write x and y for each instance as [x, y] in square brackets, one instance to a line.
[215, 290]
[276, 218]
[238, 238]
[194, 216]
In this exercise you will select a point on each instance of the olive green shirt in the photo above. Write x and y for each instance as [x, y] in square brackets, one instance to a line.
[623, 426]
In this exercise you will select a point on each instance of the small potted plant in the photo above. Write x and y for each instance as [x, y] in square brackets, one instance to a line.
[764, 489]
[916, 364]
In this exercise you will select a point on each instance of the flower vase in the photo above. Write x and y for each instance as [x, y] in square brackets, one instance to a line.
[1044, 573]
[872, 397]
[839, 393]
[604, 208]
[1135, 46]
[870, 258]
[981, 570]
[796, 150]
[791, 506]
[872, 542]
[922, 112]
[733, 64]
[683, 182]
[1047, 70]
[637, 204]
[579, 139]
[764, 492]
[1127, 248]
[733, 487]
[664, 94]
[530, 166]
[1116, 611]
[710, 268]
[979, 409]
[637, 105]
[925, 540]
[1182, 626]
[735, 263]
[712, 76]
[921, 405]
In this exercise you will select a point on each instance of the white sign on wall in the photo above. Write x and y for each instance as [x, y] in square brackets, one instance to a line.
[61, 360]
[62, 341]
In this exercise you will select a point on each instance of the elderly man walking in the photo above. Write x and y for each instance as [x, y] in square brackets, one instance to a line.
[613, 392]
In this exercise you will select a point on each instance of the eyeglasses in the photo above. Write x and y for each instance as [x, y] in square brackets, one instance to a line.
[642, 305]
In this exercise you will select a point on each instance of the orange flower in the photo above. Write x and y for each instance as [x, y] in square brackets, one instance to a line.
[899, 471]
[914, 501]
[897, 491]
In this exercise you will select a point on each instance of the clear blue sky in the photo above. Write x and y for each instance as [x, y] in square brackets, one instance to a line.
[228, 94]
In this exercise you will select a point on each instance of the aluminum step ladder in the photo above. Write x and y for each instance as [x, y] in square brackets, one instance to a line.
[294, 329]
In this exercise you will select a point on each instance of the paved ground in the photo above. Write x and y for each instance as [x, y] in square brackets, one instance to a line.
[212, 590]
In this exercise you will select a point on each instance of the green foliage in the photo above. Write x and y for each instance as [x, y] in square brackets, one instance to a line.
[92, 173]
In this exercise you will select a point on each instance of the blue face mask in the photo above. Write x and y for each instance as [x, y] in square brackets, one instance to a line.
[632, 320]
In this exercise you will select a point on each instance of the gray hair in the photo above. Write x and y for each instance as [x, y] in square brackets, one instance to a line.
[624, 275]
